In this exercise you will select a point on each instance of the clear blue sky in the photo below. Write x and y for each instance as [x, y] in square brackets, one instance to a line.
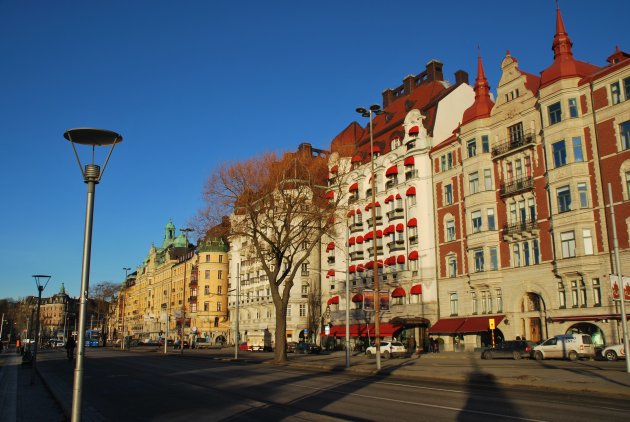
[190, 84]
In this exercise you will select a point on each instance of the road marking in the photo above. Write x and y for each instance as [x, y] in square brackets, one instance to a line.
[435, 406]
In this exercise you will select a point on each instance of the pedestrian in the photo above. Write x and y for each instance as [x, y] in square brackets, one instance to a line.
[437, 345]
[412, 345]
[70, 345]
[431, 345]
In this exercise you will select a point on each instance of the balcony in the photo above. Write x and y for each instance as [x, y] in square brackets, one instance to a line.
[331, 259]
[371, 250]
[356, 227]
[397, 245]
[412, 174]
[516, 186]
[356, 255]
[513, 144]
[391, 183]
[519, 230]
[395, 214]
[192, 299]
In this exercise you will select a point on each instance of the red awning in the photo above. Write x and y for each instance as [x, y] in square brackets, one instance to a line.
[330, 195]
[358, 210]
[413, 256]
[330, 273]
[359, 239]
[411, 191]
[389, 198]
[335, 168]
[400, 259]
[368, 236]
[376, 149]
[446, 326]
[350, 213]
[369, 265]
[379, 233]
[390, 261]
[360, 268]
[398, 196]
[380, 263]
[330, 246]
[412, 222]
[357, 298]
[351, 241]
[479, 324]
[399, 292]
[389, 229]
[414, 130]
[408, 161]
[363, 330]
[356, 159]
[391, 171]
[400, 227]
[353, 187]
[416, 289]
[352, 268]
[333, 300]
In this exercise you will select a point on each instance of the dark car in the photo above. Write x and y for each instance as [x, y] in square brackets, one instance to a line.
[310, 348]
[513, 349]
[291, 345]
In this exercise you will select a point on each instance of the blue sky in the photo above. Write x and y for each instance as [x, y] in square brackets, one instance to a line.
[190, 84]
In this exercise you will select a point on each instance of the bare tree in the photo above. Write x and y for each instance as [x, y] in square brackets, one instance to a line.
[277, 205]
[102, 296]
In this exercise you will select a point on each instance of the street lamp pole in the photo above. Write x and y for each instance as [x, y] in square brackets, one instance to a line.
[41, 281]
[92, 175]
[181, 342]
[374, 109]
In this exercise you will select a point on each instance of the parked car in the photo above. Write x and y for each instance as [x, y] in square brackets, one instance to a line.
[614, 352]
[176, 344]
[566, 346]
[149, 342]
[388, 349]
[513, 349]
[291, 345]
[310, 348]
[243, 346]
[202, 343]
[54, 343]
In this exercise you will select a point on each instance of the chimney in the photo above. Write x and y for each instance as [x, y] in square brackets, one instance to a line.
[305, 147]
[409, 83]
[388, 97]
[434, 71]
[461, 77]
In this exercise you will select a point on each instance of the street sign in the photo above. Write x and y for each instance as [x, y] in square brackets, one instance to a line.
[491, 323]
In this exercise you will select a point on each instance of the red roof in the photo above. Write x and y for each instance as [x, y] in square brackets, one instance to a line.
[564, 65]
[412, 222]
[399, 292]
[409, 161]
[411, 191]
[416, 289]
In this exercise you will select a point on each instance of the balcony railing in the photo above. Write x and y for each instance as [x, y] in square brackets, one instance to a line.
[356, 255]
[395, 214]
[520, 227]
[514, 143]
[516, 186]
[411, 174]
[331, 259]
[356, 227]
[192, 299]
[396, 245]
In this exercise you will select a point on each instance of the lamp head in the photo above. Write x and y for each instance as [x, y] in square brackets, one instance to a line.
[361, 110]
[375, 107]
[41, 281]
[92, 137]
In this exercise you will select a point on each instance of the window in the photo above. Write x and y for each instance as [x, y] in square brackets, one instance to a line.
[583, 301]
[304, 289]
[624, 132]
[475, 305]
[206, 306]
[564, 199]
[573, 110]
[449, 159]
[562, 296]
[597, 292]
[485, 143]
[289, 310]
[302, 309]
[473, 182]
[531, 204]
[450, 230]
[494, 259]
[452, 266]
[207, 258]
[193, 307]
[509, 171]
[626, 88]
[498, 294]
[559, 154]
[484, 302]
[443, 162]
[516, 133]
[490, 215]
[583, 195]
[528, 167]
[472, 148]
[574, 294]
[476, 221]
[568, 244]
[578, 155]
[518, 166]
[206, 274]
[220, 259]
[220, 274]
[305, 269]
[478, 255]
[448, 194]
[219, 290]
[487, 177]
[628, 184]
[535, 251]
[218, 306]
[454, 304]
[555, 113]
[206, 290]
[615, 93]
[588, 241]
[517, 254]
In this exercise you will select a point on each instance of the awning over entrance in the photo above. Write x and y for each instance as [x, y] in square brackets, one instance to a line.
[464, 325]
[361, 330]
[598, 317]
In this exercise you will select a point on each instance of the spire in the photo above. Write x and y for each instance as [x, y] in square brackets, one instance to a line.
[62, 290]
[482, 89]
[561, 42]
[483, 104]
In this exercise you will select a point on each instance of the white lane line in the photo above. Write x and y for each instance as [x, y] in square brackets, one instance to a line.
[435, 406]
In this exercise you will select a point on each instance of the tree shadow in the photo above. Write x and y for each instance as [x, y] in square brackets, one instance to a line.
[590, 370]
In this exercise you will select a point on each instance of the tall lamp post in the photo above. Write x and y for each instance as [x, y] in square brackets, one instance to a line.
[181, 342]
[92, 175]
[122, 328]
[374, 109]
[41, 281]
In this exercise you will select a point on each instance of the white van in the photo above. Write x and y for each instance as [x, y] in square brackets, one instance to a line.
[567, 346]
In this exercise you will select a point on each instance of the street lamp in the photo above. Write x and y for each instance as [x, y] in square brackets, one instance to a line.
[181, 341]
[374, 109]
[41, 281]
[92, 175]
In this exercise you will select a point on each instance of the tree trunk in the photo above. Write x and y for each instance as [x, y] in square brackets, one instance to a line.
[280, 350]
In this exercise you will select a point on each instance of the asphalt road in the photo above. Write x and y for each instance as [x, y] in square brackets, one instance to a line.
[121, 386]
